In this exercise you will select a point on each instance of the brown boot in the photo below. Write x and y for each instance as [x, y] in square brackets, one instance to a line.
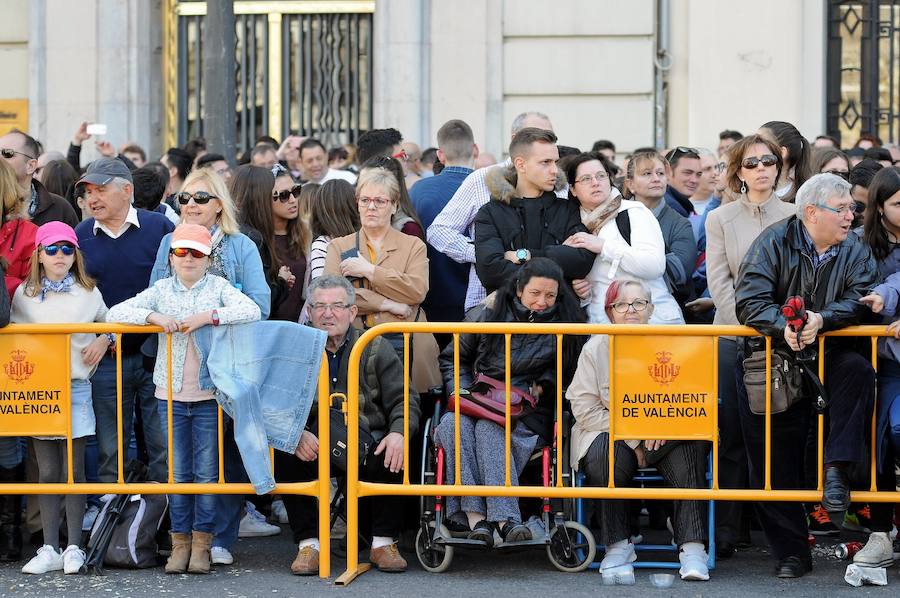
[181, 553]
[200, 557]
[388, 558]
[307, 562]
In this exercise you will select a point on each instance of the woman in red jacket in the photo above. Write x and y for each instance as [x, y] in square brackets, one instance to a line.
[16, 234]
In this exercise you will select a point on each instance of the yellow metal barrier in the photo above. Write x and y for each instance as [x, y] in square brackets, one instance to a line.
[357, 488]
[27, 332]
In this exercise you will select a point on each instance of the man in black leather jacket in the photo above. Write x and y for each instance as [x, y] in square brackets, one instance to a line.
[813, 255]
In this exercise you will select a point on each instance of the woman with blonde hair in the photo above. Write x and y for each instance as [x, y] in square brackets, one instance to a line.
[389, 270]
[16, 234]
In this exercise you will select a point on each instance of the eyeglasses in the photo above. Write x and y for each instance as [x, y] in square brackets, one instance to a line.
[638, 305]
[599, 176]
[379, 202]
[766, 160]
[284, 196]
[401, 155]
[10, 153]
[200, 197]
[66, 248]
[841, 173]
[334, 307]
[841, 211]
[184, 251]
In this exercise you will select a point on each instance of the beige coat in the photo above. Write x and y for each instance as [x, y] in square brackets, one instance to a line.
[401, 275]
[588, 395]
[730, 230]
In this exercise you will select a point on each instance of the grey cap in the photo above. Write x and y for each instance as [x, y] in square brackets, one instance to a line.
[104, 170]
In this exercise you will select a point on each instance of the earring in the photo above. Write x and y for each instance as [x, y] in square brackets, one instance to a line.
[743, 186]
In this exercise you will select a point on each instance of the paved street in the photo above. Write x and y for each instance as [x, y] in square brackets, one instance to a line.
[261, 569]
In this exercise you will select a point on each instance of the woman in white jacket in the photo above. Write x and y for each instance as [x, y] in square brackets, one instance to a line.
[624, 234]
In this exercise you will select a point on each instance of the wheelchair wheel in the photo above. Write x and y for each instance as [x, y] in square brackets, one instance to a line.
[438, 557]
[572, 547]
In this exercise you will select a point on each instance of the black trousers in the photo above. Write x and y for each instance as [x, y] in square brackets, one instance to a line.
[378, 515]
[730, 520]
[850, 384]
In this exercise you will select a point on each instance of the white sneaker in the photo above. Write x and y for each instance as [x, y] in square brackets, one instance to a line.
[73, 558]
[47, 559]
[221, 556]
[693, 566]
[878, 552]
[616, 567]
[254, 524]
[90, 516]
[279, 513]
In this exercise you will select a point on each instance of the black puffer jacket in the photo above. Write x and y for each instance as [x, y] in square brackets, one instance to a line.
[505, 223]
[532, 361]
[778, 266]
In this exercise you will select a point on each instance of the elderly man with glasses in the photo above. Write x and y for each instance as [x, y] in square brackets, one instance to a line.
[814, 256]
[21, 151]
[332, 308]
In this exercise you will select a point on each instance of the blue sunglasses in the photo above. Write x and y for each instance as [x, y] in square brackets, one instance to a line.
[66, 249]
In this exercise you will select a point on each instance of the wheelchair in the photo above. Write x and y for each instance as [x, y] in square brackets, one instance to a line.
[569, 544]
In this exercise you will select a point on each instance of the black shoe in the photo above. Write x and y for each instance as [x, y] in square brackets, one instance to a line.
[725, 550]
[457, 529]
[836, 493]
[515, 531]
[483, 532]
[793, 566]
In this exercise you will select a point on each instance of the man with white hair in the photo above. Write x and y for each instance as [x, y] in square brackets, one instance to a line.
[815, 256]
[453, 232]
[119, 245]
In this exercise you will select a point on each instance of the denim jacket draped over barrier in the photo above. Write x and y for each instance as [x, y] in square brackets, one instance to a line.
[266, 374]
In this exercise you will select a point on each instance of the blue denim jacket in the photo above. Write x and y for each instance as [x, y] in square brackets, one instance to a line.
[266, 374]
[242, 264]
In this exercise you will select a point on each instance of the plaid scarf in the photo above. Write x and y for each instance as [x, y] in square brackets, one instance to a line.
[57, 286]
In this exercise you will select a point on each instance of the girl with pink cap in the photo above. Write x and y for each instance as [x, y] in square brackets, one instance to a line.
[58, 290]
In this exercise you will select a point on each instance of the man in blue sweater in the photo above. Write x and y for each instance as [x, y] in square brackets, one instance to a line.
[448, 280]
[119, 245]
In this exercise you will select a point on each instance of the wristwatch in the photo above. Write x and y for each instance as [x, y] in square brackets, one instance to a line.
[215, 317]
[523, 255]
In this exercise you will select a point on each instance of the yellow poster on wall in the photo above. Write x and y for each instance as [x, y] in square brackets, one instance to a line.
[13, 115]
[663, 387]
[34, 385]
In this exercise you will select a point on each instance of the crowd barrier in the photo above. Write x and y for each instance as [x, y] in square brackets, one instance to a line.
[641, 361]
[35, 400]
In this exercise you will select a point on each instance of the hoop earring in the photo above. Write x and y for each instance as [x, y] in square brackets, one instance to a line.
[743, 187]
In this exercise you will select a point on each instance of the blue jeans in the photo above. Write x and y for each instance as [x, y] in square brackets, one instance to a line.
[10, 452]
[137, 385]
[229, 506]
[195, 458]
[889, 404]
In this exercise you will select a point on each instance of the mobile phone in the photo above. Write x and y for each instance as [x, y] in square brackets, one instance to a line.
[352, 252]
[96, 129]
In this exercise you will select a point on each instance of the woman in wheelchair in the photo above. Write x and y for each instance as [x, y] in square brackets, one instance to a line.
[682, 464]
[538, 294]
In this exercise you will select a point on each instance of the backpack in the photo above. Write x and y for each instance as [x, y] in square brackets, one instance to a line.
[133, 543]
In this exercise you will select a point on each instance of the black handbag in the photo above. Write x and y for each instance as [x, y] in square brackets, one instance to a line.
[337, 449]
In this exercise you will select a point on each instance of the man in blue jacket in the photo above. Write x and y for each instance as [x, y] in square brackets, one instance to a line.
[448, 280]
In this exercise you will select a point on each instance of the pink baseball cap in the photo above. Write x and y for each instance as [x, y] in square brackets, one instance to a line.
[52, 232]
[192, 236]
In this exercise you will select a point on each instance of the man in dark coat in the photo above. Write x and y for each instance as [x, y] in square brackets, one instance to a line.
[524, 218]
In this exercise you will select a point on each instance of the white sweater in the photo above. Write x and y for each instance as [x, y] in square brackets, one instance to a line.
[77, 306]
[644, 259]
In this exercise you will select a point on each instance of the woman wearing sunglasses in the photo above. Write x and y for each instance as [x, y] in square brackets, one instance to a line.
[251, 187]
[291, 235]
[58, 290]
[188, 300]
[754, 168]
[16, 234]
